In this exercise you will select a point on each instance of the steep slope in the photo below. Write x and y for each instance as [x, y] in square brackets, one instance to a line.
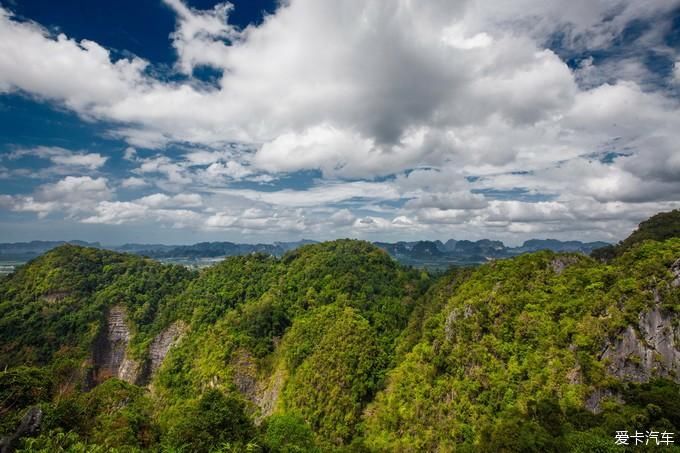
[79, 316]
[110, 355]
[259, 331]
[57, 305]
[308, 336]
[337, 347]
[538, 353]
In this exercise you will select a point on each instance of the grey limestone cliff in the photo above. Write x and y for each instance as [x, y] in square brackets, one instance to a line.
[110, 354]
[159, 348]
[645, 351]
[110, 350]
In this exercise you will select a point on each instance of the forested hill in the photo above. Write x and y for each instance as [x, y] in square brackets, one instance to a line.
[337, 347]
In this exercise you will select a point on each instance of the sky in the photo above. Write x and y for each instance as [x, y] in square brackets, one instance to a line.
[172, 121]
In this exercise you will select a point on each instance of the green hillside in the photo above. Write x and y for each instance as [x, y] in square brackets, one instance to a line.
[336, 347]
[662, 226]
[514, 358]
[51, 307]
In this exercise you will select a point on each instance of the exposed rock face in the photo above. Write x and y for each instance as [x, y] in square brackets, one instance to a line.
[55, 296]
[648, 350]
[675, 270]
[651, 350]
[268, 396]
[110, 352]
[245, 374]
[163, 342]
[263, 393]
[559, 264]
[453, 316]
[28, 426]
[595, 398]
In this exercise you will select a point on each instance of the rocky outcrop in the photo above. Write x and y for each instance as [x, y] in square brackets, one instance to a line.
[650, 349]
[163, 342]
[268, 394]
[245, 374]
[642, 352]
[110, 351]
[675, 270]
[263, 393]
[560, 263]
[594, 401]
[453, 317]
[55, 296]
[29, 425]
[159, 348]
[110, 354]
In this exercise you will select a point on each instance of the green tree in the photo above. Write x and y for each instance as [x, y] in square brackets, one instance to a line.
[215, 419]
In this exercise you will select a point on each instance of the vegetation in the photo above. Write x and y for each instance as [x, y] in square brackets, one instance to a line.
[51, 307]
[510, 360]
[335, 347]
[662, 226]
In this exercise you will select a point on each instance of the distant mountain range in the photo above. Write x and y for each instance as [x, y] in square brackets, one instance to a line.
[208, 249]
[415, 253]
[28, 250]
[452, 252]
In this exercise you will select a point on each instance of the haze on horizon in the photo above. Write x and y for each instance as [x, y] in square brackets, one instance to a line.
[260, 121]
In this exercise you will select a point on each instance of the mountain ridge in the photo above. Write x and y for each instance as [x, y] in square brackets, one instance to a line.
[336, 346]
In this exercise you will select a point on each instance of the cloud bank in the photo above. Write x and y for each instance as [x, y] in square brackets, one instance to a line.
[417, 119]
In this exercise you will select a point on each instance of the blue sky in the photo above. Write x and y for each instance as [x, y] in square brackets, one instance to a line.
[176, 122]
